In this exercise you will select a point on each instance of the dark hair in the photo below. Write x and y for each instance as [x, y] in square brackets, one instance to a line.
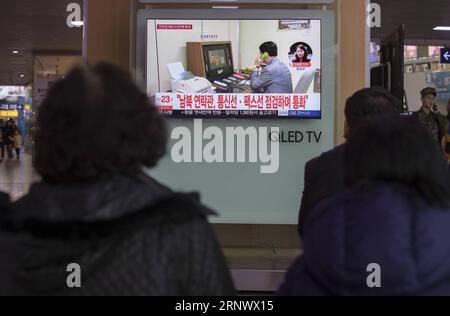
[368, 103]
[86, 127]
[303, 48]
[399, 151]
[269, 48]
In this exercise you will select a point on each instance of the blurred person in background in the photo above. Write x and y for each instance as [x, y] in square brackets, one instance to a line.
[448, 113]
[17, 138]
[2, 145]
[395, 214]
[447, 135]
[7, 136]
[97, 208]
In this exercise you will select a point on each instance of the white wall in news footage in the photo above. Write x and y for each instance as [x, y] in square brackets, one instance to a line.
[299, 48]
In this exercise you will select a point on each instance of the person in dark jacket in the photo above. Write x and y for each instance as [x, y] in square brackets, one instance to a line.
[324, 175]
[7, 134]
[388, 234]
[96, 213]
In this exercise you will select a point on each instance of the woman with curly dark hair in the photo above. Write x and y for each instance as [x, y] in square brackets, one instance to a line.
[97, 209]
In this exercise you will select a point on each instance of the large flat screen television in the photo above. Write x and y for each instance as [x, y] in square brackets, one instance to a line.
[205, 68]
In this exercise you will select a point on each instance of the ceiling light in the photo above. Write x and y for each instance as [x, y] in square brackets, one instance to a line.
[22, 76]
[15, 52]
[442, 28]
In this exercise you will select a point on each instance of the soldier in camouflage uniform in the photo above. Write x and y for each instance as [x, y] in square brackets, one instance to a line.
[434, 122]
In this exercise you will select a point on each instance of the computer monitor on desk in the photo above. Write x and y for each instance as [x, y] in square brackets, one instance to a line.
[218, 61]
[212, 60]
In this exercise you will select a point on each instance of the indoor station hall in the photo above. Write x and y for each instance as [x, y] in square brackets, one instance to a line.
[235, 148]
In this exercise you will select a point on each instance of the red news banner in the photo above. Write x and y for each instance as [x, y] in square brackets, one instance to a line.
[237, 102]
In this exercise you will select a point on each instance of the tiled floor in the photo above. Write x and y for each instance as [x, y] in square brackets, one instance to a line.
[16, 176]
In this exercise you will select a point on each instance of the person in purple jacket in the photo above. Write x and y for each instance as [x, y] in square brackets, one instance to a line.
[388, 232]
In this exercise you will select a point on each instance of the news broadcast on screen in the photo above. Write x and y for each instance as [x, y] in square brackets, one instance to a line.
[233, 69]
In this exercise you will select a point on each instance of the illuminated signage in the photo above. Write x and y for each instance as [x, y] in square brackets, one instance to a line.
[9, 113]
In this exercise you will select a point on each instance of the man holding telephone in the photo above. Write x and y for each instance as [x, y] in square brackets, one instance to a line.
[270, 75]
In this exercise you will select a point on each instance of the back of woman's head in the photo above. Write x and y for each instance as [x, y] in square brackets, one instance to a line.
[397, 150]
[96, 123]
